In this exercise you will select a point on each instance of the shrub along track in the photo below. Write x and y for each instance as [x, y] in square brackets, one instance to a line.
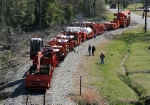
[62, 87]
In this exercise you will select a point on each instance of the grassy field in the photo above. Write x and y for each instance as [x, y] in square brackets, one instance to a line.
[110, 79]
[142, 58]
[124, 79]
[135, 6]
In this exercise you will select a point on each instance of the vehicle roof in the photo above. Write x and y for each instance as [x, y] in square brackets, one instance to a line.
[148, 7]
[36, 39]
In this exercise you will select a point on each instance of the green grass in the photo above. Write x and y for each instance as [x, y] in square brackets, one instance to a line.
[139, 59]
[111, 86]
[136, 5]
[143, 80]
[111, 80]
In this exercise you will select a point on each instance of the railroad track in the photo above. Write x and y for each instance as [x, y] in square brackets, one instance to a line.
[31, 99]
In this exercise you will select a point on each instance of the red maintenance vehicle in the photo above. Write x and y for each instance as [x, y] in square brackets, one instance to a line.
[71, 37]
[79, 35]
[58, 44]
[122, 19]
[60, 48]
[88, 32]
[70, 41]
[84, 32]
[45, 60]
[97, 28]
[91, 28]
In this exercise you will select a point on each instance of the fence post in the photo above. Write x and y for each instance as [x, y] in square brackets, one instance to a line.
[80, 84]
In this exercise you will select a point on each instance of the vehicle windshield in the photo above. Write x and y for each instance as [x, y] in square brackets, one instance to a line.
[35, 46]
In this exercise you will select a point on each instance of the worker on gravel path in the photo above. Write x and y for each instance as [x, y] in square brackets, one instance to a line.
[94, 33]
[102, 56]
[93, 49]
[89, 50]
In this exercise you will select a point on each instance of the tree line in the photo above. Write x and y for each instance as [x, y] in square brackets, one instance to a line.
[22, 15]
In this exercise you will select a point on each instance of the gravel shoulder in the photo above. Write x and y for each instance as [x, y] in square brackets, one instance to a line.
[63, 85]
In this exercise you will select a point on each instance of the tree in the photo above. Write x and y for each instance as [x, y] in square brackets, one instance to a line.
[68, 12]
[124, 3]
[110, 1]
[53, 15]
[25, 13]
[143, 2]
[18, 12]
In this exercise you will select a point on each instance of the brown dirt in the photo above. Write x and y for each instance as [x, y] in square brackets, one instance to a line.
[89, 93]
[89, 96]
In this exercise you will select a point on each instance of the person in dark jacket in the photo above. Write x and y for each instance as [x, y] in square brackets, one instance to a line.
[143, 15]
[93, 49]
[94, 33]
[102, 56]
[62, 56]
[89, 50]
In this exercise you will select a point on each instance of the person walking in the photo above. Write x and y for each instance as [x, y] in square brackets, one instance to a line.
[94, 33]
[93, 49]
[102, 56]
[142, 16]
[89, 50]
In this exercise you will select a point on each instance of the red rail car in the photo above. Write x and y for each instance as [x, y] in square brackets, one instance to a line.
[122, 19]
[72, 37]
[69, 41]
[45, 60]
[96, 27]
[83, 32]
[78, 31]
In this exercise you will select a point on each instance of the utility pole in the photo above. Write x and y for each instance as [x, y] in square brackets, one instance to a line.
[80, 84]
[145, 16]
[118, 6]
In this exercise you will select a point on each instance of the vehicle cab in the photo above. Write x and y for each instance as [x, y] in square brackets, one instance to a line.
[36, 44]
